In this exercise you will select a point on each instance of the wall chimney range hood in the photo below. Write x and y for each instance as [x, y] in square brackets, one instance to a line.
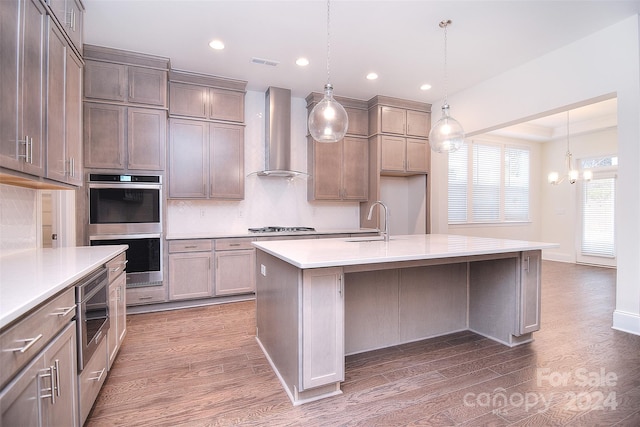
[278, 134]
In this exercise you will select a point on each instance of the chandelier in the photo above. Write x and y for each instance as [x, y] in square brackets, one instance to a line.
[572, 174]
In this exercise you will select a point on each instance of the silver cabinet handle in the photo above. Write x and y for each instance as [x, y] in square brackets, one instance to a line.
[191, 247]
[65, 311]
[528, 264]
[72, 167]
[114, 269]
[30, 342]
[234, 244]
[97, 338]
[57, 368]
[48, 373]
[99, 377]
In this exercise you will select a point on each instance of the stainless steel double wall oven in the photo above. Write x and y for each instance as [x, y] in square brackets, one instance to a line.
[127, 209]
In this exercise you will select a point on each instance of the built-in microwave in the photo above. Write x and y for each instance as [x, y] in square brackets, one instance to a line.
[124, 204]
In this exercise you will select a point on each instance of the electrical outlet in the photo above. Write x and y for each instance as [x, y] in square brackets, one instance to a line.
[263, 270]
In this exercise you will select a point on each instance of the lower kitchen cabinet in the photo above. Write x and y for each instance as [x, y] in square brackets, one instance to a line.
[190, 269]
[44, 392]
[91, 379]
[528, 295]
[235, 272]
[117, 305]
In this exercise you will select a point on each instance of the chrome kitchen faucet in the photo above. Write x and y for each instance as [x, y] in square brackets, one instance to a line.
[385, 233]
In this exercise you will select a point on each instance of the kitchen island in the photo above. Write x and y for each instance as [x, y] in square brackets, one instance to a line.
[319, 300]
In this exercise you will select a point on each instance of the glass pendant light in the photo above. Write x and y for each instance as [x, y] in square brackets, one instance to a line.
[447, 134]
[572, 174]
[328, 121]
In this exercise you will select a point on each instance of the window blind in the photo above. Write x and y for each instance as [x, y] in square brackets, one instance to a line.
[598, 211]
[516, 184]
[458, 184]
[486, 182]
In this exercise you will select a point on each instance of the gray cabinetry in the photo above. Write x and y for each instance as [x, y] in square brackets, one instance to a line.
[64, 117]
[39, 366]
[190, 269]
[206, 160]
[117, 305]
[69, 14]
[206, 97]
[22, 49]
[109, 81]
[340, 171]
[235, 261]
[91, 379]
[528, 293]
[119, 137]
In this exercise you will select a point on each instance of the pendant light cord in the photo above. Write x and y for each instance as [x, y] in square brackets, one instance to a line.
[328, 40]
[445, 24]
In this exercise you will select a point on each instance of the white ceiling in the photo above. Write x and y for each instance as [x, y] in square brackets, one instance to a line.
[399, 40]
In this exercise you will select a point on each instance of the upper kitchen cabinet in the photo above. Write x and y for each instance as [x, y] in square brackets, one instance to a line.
[206, 160]
[340, 171]
[64, 109]
[125, 77]
[69, 15]
[22, 72]
[124, 138]
[206, 97]
[399, 131]
[125, 115]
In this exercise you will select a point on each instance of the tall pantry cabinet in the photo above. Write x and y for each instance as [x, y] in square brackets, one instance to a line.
[39, 98]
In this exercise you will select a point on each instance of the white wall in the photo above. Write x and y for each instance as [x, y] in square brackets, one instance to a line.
[605, 63]
[560, 202]
[406, 200]
[18, 219]
[268, 201]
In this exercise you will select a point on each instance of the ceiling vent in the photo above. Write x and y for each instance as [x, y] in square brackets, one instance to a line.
[262, 61]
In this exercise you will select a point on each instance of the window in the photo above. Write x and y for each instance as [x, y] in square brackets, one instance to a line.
[597, 215]
[488, 183]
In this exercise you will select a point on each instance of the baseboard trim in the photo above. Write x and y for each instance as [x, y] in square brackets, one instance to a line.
[626, 322]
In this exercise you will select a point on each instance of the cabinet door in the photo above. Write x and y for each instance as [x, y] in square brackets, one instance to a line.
[355, 170]
[529, 295]
[105, 81]
[358, 121]
[190, 275]
[61, 360]
[188, 100]
[104, 136]
[122, 310]
[327, 170]
[322, 327]
[56, 74]
[235, 272]
[75, 23]
[226, 162]
[418, 155]
[146, 138]
[392, 120]
[112, 333]
[226, 105]
[73, 118]
[9, 41]
[147, 86]
[393, 154]
[418, 123]
[19, 400]
[188, 159]
[32, 85]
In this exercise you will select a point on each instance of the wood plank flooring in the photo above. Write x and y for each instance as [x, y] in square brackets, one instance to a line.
[202, 367]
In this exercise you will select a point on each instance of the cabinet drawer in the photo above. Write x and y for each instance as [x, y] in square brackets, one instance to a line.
[23, 341]
[91, 379]
[189, 245]
[116, 266]
[233, 244]
[146, 295]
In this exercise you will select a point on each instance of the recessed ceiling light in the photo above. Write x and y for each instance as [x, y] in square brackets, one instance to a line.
[425, 87]
[303, 62]
[216, 44]
[372, 76]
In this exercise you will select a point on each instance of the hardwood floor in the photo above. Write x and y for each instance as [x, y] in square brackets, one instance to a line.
[202, 366]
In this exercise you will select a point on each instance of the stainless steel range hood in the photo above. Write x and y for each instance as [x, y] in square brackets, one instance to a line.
[278, 134]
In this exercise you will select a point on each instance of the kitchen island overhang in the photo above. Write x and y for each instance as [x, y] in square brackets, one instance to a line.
[319, 300]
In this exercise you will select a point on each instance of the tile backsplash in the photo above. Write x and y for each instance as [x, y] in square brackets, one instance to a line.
[18, 219]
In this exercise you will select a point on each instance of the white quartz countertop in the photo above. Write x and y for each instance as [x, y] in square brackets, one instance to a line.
[246, 234]
[318, 253]
[29, 278]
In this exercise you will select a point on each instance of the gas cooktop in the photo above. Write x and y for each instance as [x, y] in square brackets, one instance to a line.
[277, 229]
